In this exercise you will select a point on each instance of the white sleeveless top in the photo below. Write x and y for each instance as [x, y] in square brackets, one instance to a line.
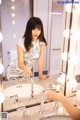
[33, 54]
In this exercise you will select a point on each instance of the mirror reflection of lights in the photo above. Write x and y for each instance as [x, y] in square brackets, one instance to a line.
[64, 56]
[57, 13]
[12, 7]
[1, 37]
[0, 1]
[68, 8]
[14, 36]
[72, 82]
[13, 14]
[2, 97]
[13, 0]
[66, 33]
[1, 68]
[13, 22]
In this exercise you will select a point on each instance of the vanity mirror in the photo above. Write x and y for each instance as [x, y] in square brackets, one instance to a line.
[14, 16]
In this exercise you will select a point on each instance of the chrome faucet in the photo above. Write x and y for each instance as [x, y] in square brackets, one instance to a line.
[42, 101]
[32, 88]
[16, 98]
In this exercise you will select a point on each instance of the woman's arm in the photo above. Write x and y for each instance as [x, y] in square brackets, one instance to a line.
[40, 62]
[26, 70]
[71, 109]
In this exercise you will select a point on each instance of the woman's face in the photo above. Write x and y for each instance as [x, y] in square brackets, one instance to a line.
[35, 33]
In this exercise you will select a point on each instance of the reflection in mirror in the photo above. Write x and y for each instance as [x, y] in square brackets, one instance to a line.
[16, 15]
[71, 63]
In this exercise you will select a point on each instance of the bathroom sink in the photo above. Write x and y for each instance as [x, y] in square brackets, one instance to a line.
[56, 117]
[22, 90]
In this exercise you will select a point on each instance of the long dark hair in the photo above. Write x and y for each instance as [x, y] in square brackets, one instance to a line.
[33, 22]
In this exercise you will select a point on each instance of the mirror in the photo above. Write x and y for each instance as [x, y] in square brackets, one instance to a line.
[13, 27]
[16, 30]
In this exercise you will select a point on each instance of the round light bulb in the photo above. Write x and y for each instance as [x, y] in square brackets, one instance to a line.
[1, 68]
[12, 7]
[14, 36]
[2, 97]
[0, 1]
[13, 22]
[72, 82]
[68, 8]
[13, 14]
[13, 0]
[1, 37]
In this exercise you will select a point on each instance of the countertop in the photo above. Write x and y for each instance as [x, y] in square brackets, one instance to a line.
[30, 110]
[9, 103]
[33, 113]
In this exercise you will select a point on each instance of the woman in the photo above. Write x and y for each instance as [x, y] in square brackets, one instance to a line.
[72, 110]
[31, 47]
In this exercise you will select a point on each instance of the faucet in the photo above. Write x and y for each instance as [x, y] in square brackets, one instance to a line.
[32, 88]
[42, 101]
[16, 98]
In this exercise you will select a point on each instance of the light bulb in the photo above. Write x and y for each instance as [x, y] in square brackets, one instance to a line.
[13, 22]
[72, 82]
[68, 8]
[1, 37]
[14, 36]
[2, 97]
[1, 68]
[13, 14]
[66, 33]
[0, 2]
[64, 56]
[13, 0]
[12, 7]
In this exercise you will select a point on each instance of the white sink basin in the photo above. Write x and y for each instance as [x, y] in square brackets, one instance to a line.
[22, 90]
[56, 117]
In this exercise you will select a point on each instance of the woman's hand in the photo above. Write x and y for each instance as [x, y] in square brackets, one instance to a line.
[43, 77]
[52, 95]
[27, 72]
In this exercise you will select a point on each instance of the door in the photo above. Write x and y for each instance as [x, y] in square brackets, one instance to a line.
[56, 39]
